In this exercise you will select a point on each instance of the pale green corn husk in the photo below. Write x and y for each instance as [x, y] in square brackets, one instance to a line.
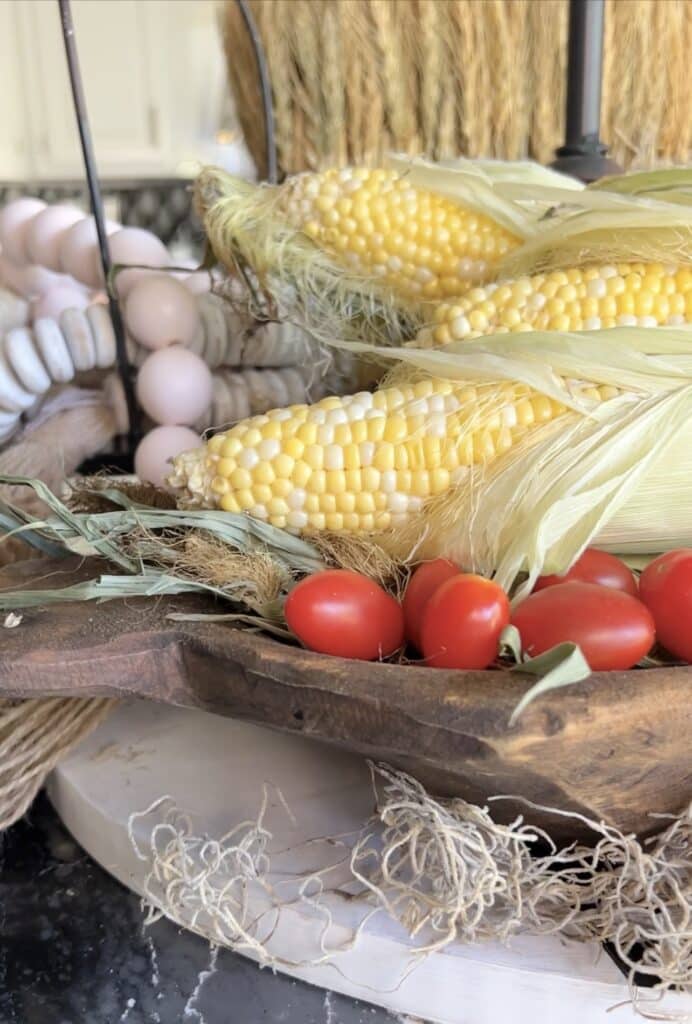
[638, 217]
[614, 473]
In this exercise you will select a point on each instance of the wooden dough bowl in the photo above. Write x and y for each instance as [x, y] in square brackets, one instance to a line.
[615, 747]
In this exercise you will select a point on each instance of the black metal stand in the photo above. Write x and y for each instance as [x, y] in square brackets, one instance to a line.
[584, 156]
[124, 368]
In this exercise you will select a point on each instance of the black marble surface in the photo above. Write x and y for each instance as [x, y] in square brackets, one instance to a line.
[73, 951]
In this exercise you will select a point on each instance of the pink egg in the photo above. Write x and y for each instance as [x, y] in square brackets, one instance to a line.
[130, 246]
[77, 248]
[156, 450]
[56, 300]
[14, 221]
[159, 311]
[174, 386]
[45, 232]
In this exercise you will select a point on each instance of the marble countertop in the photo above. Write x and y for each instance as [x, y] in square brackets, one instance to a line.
[73, 950]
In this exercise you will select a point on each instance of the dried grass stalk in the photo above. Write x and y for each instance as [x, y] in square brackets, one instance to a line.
[354, 79]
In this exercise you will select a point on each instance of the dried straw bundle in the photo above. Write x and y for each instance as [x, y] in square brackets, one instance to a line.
[354, 79]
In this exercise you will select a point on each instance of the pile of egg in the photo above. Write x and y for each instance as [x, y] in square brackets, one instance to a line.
[177, 333]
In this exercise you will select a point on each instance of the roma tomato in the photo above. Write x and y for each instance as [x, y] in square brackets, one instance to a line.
[422, 585]
[595, 567]
[462, 622]
[613, 629]
[343, 613]
[665, 587]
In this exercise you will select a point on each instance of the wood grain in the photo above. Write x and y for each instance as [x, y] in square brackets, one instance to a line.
[615, 747]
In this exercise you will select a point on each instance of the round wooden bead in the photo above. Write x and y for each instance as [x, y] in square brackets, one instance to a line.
[22, 356]
[80, 342]
[102, 334]
[45, 232]
[58, 298]
[279, 391]
[13, 397]
[212, 312]
[236, 339]
[221, 403]
[295, 385]
[197, 342]
[239, 393]
[77, 248]
[14, 223]
[53, 350]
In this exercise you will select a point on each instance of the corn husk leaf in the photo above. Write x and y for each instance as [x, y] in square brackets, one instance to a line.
[673, 183]
[149, 583]
[571, 482]
[561, 666]
[637, 359]
[653, 224]
[526, 173]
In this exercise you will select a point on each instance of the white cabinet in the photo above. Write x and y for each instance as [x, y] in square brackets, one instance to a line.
[14, 130]
[153, 77]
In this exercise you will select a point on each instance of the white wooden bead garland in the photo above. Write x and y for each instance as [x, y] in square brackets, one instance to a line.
[254, 365]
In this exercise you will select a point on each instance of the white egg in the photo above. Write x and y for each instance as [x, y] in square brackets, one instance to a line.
[174, 386]
[133, 246]
[57, 299]
[77, 248]
[156, 450]
[160, 311]
[14, 221]
[45, 232]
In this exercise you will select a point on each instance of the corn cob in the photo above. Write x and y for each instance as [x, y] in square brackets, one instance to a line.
[366, 462]
[423, 245]
[579, 299]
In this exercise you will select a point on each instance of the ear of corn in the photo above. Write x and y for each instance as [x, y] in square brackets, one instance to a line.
[367, 462]
[421, 244]
[578, 299]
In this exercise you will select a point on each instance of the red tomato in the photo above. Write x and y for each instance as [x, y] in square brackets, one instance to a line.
[462, 622]
[665, 587]
[422, 585]
[343, 613]
[595, 567]
[613, 629]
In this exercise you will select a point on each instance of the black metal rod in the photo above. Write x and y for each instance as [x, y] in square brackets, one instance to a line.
[585, 70]
[85, 139]
[583, 155]
[265, 89]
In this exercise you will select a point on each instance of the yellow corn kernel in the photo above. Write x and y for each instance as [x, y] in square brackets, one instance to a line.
[417, 242]
[589, 298]
[375, 482]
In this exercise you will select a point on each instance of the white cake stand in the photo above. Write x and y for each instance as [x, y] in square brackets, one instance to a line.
[214, 768]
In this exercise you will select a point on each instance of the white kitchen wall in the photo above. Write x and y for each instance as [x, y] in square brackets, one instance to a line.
[153, 75]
